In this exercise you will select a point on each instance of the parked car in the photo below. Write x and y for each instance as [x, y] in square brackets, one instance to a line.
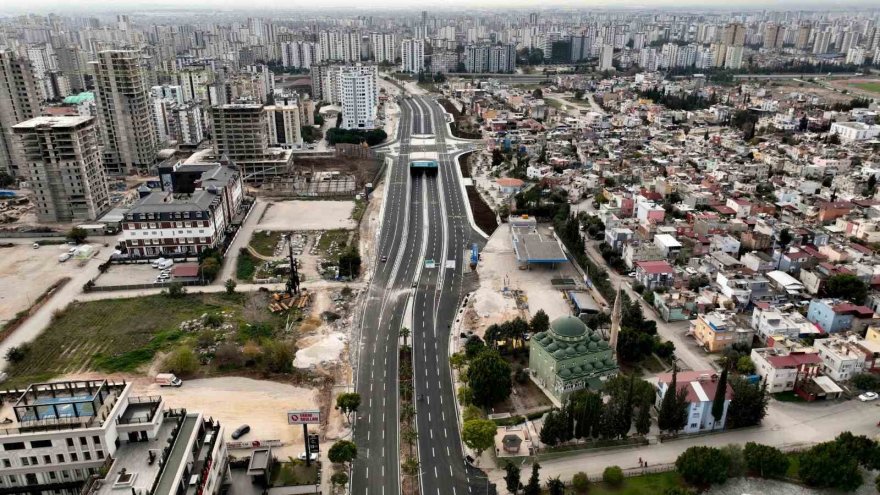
[313, 456]
[240, 432]
[868, 396]
[64, 257]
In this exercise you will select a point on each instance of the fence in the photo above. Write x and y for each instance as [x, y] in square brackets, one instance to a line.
[158, 285]
[24, 235]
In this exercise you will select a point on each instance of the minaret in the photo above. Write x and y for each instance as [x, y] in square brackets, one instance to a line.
[615, 322]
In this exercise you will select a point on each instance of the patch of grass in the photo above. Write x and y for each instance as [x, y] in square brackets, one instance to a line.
[113, 334]
[649, 484]
[331, 241]
[294, 473]
[871, 87]
[788, 397]
[265, 242]
[360, 207]
[246, 265]
[554, 103]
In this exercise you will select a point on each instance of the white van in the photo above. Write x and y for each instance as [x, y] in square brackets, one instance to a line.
[157, 262]
[165, 264]
[64, 257]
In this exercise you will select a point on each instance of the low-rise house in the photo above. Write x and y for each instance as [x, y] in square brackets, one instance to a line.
[654, 274]
[718, 330]
[833, 315]
[844, 356]
[768, 321]
[758, 262]
[784, 370]
[509, 186]
[668, 244]
[701, 388]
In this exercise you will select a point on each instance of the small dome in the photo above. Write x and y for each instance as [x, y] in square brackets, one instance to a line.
[570, 351]
[577, 370]
[581, 348]
[603, 344]
[593, 346]
[568, 326]
[565, 373]
[540, 335]
[553, 347]
[559, 354]
[595, 337]
[588, 367]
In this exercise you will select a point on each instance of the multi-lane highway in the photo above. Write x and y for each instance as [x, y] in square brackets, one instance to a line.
[424, 218]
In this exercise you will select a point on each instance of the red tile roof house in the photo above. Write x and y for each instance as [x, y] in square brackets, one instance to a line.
[510, 186]
[701, 387]
[653, 274]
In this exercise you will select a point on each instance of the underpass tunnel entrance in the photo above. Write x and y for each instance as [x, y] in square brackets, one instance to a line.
[427, 167]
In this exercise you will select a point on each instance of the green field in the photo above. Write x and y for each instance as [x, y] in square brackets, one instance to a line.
[649, 484]
[116, 335]
[871, 87]
[266, 241]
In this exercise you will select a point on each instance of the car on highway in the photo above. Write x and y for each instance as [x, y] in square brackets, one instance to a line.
[868, 396]
[240, 432]
[384, 259]
[313, 456]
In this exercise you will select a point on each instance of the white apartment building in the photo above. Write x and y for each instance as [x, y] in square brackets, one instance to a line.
[96, 436]
[19, 101]
[700, 388]
[300, 54]
[782, 369]
[62, 160]
[412, 55]
[359, 96]
[844, 356]
[850, 132]
[606, 57]
[383, 47]
[773, 322]
[340, 46]
[284, 126]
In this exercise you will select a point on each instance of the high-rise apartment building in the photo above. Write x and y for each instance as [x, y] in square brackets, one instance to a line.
[359, 93]
[62, 161]
[300, 54]
[803, 36]
[242, 134]
[606, 58]
[734, 34]
[383, 47]
[774, 36]
[412, 55]
[821, 42]
[284, 125]
[340, 46]
[19, 101]
[502, 59]
[124, 111]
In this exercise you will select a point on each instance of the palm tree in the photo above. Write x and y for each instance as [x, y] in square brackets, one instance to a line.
[409, 435]
[404, 334]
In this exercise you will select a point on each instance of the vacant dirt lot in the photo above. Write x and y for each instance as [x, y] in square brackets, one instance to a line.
[26, 272]
[308, 215]
[128, 275]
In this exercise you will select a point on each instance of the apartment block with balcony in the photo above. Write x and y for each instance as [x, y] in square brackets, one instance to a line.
[719, 330]
[844, 356]
[96, 437]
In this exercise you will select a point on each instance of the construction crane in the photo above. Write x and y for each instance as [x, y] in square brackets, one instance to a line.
[292, 286]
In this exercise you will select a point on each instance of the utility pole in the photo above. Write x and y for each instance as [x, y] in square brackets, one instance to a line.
[293, 280]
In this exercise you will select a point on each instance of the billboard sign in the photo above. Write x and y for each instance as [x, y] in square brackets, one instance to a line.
[310, 417]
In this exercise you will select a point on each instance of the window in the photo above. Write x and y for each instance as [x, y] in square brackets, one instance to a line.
[39, 444]
[47, 459]
[87, 456]
[6, 463]
[83, 441]
[25, 461]
[96, 440]
[70, 442]
[13, 446]
[100, 454]
[73, 457]
[60, 457]
[52, 475]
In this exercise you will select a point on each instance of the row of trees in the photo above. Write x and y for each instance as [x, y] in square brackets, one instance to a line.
[679, 101]
[356, 136]
[587, 416]
[485, 373]
[511, 335]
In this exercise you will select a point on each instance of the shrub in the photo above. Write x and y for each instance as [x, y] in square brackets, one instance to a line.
[228, 355]
[765, 461]
[703, 465]
[16, 354]
[182, 361]
[580, 482]
[613, 475]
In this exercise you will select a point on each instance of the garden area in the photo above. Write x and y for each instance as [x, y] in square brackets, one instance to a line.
[194, 334]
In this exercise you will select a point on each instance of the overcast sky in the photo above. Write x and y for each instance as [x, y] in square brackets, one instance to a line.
[119, 5]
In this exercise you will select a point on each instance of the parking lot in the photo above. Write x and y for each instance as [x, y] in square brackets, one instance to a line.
[127, 275]
[25, 273]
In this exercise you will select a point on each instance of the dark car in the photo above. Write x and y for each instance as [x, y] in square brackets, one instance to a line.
[240, 432]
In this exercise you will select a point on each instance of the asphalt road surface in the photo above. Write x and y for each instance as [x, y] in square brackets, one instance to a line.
[424, 218]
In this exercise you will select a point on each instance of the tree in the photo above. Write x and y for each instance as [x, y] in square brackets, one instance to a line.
[830, 465]
[749, 404]
[702, 465]
[512, 477]
[489, 378]
[209, 268]
[277, 356]
[6, 180]
[77, 235]
[182, 361]
[553, 430]
[580, 482]
[538, 94]
[230, 286]
[643, 420]
[16, 354]
[479, 434]
[720, 398]
[404, 334]
[555, 486]
[410, 466]
[765, 461]
[350, 262]
[745, 366]
[540, 322]
[342, 452]
[672, 416]
[785, 237]
[534, 485]
[176, 290]
[613, 475]
[348, 403]
[866, 381]
[339, 479]
[846, 286]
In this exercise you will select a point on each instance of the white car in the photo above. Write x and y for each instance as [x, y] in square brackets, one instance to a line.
[868, 396]
[313, 456]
